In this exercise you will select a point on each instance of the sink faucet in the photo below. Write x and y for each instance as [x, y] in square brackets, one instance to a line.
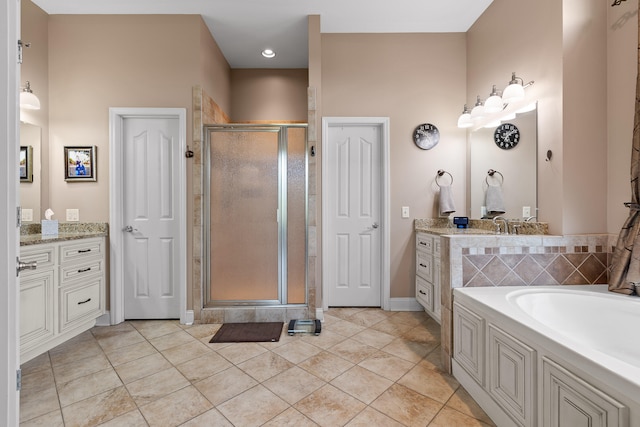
[531, 218]
[506, 224]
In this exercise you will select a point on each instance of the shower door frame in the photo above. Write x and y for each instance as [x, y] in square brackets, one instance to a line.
[282, 220]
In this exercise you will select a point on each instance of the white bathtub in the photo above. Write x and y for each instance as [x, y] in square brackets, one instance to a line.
[590, 331]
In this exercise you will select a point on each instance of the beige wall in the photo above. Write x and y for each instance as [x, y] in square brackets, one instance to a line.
[525, 37]
[269, 95]
[34, 29]
[413, 79]
[149, 61]
[622, 63]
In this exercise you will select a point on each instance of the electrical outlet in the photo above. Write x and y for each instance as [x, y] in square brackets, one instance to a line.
[73, 215]
[526, 211]
[27, 215]
[405, 212]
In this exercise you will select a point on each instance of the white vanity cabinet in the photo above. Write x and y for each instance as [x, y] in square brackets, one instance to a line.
[63, 296]
[428, 273]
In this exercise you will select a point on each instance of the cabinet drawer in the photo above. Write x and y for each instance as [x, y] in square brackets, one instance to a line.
[43, 255]
[424, 242]
[70, 273]
[81, 302]
[424, 266]
[424, 293]
[83, 249]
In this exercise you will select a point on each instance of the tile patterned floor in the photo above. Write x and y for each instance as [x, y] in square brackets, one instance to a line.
[367, 368]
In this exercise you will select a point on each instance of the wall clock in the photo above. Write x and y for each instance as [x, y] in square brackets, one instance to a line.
[506, 136]
[426, 136]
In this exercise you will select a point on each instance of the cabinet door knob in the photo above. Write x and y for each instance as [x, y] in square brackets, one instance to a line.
[25, 266]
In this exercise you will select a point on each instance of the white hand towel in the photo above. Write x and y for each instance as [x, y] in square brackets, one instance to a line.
[493, 200]
[446, 200]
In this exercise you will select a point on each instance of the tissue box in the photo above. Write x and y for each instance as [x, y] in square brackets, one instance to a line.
[49, 227]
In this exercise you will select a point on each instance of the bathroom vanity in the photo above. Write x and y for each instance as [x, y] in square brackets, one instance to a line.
[65, 294]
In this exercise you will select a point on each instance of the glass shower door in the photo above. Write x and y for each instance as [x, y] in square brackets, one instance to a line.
[244, 216]
[255, 215]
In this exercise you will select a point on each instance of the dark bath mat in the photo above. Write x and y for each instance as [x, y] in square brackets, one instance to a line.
[249, 332]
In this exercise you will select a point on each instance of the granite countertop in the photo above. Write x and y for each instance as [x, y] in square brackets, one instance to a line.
[444, 226]
[30, 234]
[442, 231]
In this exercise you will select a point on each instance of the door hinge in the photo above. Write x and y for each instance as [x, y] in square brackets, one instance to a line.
[19, 379]
[21, 44]
[19, 216]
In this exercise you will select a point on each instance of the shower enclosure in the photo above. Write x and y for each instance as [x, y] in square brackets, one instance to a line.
[255, 215]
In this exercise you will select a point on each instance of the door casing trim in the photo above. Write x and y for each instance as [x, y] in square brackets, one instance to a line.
[385, 267]
[116, 204]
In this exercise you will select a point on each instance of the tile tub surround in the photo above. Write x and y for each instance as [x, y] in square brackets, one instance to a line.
[508, 260]
[525, 260]
[367, 367]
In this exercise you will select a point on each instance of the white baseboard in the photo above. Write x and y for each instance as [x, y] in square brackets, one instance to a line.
[189, 317]
[104, 320]
[320, 314]
[404, 304]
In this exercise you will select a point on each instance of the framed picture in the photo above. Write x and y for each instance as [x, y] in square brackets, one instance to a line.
[26, 163]
[80, 163]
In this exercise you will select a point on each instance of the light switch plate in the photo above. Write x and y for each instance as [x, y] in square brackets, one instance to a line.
[27, 215]
[405, 212]
[526, 211]
[73, 215]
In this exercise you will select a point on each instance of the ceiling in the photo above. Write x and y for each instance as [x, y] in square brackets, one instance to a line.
[243, 28]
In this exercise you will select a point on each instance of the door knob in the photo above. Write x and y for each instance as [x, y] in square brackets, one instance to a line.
[25, 266]
[375, 225]
[129, 229]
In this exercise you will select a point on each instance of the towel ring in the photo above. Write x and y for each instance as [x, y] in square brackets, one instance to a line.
[491, 173]
[440, 173]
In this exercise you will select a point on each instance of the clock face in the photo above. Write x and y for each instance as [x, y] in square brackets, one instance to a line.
[506, 136]
[426, 136]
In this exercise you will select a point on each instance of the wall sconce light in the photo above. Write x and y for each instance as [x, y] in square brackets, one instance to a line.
[515, 91]
[494, 103]
[464, 121]
[495, 108]
[478, 110]
[27, 98]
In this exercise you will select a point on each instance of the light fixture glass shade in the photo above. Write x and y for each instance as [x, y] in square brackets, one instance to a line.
[527, 108]
[515, 91]
[464, 121]
[494, 103]
[28, 100]
[478, 110]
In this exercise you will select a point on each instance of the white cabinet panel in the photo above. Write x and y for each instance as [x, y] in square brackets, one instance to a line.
[512, 377]
[468, 342]
[570, 401]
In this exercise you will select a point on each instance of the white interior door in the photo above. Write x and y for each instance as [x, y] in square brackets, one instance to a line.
[151, 217]
[9, 143]
[352, 194]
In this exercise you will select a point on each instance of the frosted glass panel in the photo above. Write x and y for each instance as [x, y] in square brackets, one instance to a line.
[296, 223]
[243, 216]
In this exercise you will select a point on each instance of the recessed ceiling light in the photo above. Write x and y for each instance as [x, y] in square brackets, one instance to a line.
[268, 53]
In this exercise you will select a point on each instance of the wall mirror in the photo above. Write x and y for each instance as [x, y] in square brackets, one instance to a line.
[512, 153]
[30, 136]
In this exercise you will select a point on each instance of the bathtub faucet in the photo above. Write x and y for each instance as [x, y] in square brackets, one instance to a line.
[506, 224]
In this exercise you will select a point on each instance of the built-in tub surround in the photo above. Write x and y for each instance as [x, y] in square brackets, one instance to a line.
[571, 367]
[477, 260]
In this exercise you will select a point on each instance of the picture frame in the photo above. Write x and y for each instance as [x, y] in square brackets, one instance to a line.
[80, 163]
[26, 163]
